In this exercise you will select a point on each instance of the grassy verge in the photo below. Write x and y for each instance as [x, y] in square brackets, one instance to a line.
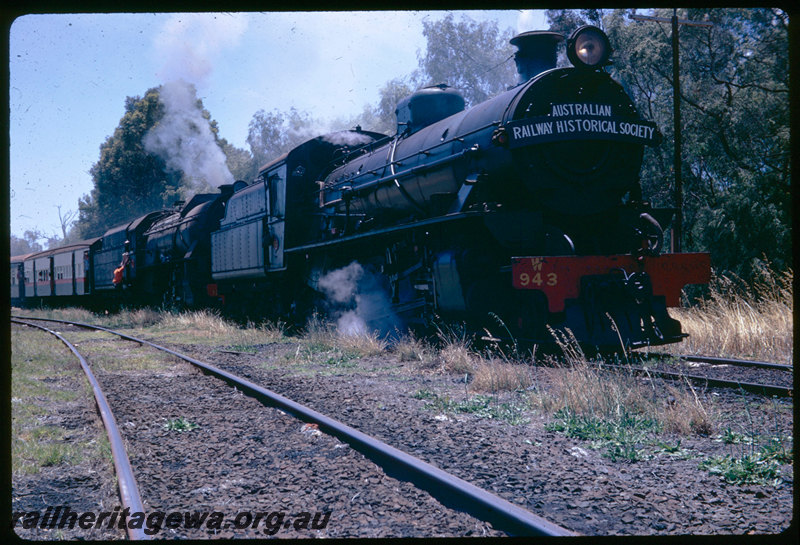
[321, 349]
[759, 464]
[198, 327]
[741, 321]
[40, 367]
[626, 417]
[616, 411]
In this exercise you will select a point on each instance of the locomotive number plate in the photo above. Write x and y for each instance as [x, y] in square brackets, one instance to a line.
[559, 277]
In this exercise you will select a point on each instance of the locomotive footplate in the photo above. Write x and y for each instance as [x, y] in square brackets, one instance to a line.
[632, 293]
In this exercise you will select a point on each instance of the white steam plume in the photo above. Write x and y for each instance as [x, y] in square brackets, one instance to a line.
[364, 306]
[183, 138]
[189, 44]
[349, 138]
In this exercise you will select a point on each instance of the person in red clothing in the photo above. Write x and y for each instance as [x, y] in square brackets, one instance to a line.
[119, 272]
[118, 277]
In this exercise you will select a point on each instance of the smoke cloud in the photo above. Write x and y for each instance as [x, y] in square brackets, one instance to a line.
[189, 44]
[359, 301]
[183, 138]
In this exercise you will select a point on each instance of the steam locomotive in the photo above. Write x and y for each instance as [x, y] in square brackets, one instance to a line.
[523, 212]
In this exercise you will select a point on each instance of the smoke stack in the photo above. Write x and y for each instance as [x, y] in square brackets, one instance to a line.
[536, 52]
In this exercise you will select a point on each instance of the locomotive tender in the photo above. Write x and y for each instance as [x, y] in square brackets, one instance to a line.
[524, 210]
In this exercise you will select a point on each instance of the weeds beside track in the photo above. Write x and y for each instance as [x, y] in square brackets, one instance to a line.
[599, 414]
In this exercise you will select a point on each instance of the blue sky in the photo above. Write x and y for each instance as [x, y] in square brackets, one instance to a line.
[70, 75]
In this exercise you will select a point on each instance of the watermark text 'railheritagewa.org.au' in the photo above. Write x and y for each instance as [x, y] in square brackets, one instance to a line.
[151, 523]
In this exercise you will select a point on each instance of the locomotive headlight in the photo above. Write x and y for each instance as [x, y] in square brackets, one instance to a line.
[588, 47]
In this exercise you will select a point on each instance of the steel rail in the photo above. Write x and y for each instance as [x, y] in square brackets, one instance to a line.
[724, 361]
[128, 490]
[766, 389]
[446, 488]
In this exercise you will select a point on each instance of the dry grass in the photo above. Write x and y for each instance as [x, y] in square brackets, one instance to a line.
[741, 321]
[590, 392]
[585, 388]
[320, 335]
[142, 317]
[453, 356]
[457, 358]
[411, 349]
[70, 314]
[136, 318]
[209, 327]
[684, 413]
[495, 375]
[363, 344]
[210, 323]
[491, 372]
[115, 355]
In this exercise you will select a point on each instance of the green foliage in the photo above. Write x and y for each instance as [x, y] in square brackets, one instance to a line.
[27, 244]
[620, 435]
[762, 467]
[423, 394]
[730, 437]
[675, 451]
[473, 57]
[180, 424]
[481, 406]
[567, 20]
[130, 181]
[381, 118]
[271, 134]
[735, 124]
[341, 359]
[240, 162]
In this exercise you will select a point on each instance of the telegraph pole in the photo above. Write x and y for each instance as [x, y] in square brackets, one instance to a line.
[676, 117]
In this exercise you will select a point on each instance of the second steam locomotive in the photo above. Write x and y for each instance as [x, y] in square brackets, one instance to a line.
[525, 210]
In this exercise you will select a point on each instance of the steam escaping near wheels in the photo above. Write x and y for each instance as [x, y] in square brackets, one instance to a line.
[358, 301]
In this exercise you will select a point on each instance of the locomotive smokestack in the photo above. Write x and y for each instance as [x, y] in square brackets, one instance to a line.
[536, 52]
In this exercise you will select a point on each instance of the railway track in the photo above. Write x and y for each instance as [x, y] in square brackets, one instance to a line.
[712, 360]
[446, 488]
[128, 489]
[766, 378]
